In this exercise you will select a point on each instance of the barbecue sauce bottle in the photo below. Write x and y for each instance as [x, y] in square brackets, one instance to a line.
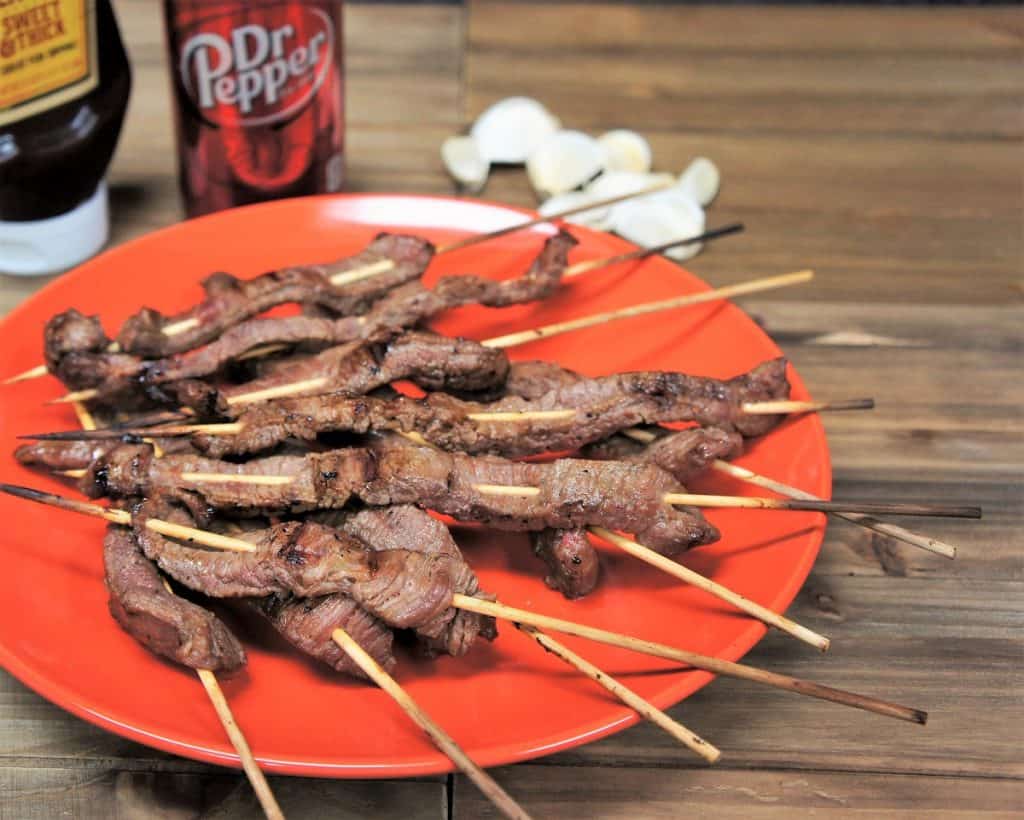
[64, 84]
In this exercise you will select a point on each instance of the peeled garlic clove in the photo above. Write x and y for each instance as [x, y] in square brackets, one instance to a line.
[465, 163]
[563, 162]
[656, 221]
[701, 180]
[511, 129]
[619, 183]
[625, 151]
[593, 218]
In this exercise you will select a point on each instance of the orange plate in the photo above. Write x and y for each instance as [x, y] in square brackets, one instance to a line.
[506, 701]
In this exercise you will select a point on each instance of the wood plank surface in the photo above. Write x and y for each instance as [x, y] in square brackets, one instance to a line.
[882, 146]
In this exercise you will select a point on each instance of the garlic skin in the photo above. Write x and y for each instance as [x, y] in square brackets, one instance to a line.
[563, 162]
[511, 129]
[660, 218]
[626, 150]
[701, 180]
[462, 158]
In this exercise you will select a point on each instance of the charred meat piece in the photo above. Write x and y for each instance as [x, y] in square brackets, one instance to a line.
[684, 454]
[407, 527]
[570, 492]
[573, 567]
[159, 619]
[603, 406]
[433, 362]
[532, 379]
[404, 589]
[72, 332]
[77, 455]
[401, 309]
[229, 300]
[307, 624]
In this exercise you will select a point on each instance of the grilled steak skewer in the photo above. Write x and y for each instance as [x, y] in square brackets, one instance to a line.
[402, 308]
[573, 566]
[404, 589]
[407, 527]
[432, 361]
[159, 619]
[307, 624]
[570, 492]
[603, 406]
[230, 300]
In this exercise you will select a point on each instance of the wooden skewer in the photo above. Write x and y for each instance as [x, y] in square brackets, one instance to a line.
[715, 665]
[547, 331]
[32, 373]
[763, 503]
[227, 719]
[687, 575]
[483, 781]
[171, 530]
[892, 530]
[249, 765]
[646, 710]
[367, 271]
[769, 408]
[642, 253]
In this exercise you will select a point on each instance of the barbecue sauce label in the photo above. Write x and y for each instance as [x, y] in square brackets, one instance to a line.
[47, 55]
[258, 65]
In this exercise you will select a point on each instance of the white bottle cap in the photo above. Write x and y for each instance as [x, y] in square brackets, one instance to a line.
[52, 245]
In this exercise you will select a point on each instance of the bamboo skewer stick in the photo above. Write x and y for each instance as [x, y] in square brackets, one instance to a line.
[646, 710]
[483, 781]
[32, 373]
[892, 530]
[171, 530]
[642, 253]
[249, 765]
[763, 503]
[252, 770]
[768, 408]
[520, 616]
[715, 665]
[687, 575]
[727, 292]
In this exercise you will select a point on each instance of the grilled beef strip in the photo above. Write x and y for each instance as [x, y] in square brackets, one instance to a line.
[572, 492]
[157, 618]
[402, 588]
[307, 624]
[573, 566]
[683, 453]
[73, 342]
[434, 362]
[408, 527]
[603, 406]
[77, 455]
[402, 308]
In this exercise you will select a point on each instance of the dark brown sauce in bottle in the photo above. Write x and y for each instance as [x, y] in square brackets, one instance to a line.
[55, 145]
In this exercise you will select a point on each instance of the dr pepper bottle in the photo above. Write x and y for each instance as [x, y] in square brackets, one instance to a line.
[259, 106]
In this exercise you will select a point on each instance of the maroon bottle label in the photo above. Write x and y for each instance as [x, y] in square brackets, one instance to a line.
[242, 70]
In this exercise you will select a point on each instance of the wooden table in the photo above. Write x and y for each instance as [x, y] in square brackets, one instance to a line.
[880, 146]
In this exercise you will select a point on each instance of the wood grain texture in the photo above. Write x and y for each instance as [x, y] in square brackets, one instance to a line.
[883, 148]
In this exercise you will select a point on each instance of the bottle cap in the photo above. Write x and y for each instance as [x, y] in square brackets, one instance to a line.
[55, 244]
